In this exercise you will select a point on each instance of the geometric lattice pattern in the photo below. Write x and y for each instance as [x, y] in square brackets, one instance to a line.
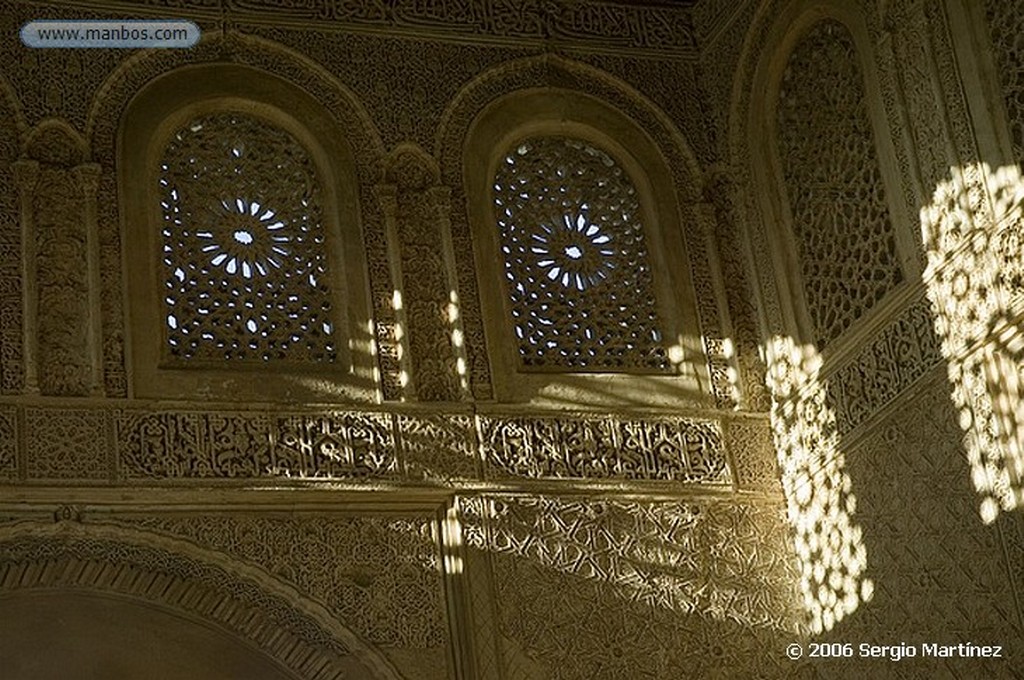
[842, 226]
[76, 449]
[576, 262]
[243, 244]
[1006, 23]
[613, 565]
[379, 574]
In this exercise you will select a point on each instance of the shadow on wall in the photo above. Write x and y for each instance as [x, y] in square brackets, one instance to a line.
[676, 556]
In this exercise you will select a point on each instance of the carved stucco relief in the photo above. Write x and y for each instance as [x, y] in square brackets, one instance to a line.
[717, 575]
[417, 211]
[79, 552]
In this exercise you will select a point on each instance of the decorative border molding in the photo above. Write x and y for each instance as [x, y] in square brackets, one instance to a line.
[594, 26]
[887, 365]
[146, 443]
[678, 449]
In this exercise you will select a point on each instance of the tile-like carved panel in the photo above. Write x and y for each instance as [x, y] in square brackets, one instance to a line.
[66, 444]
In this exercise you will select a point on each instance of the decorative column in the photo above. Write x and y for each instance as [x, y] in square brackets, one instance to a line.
[724, 215]
[439, 199]
[716, 327]
[59, 240]
[417, 213]
[88, 177]
[387, 195]
[26, 174]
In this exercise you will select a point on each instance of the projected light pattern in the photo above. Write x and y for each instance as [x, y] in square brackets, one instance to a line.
[973, 235]
[819, 494]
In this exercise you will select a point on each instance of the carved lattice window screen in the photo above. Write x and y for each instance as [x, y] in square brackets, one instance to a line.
[845, 238]
[576, 266]
[246, 271]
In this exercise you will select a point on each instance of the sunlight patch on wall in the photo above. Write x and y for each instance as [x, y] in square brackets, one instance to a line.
[973, 235]
[458, 339]
[397, 305]
[451, 541]
[819, 496]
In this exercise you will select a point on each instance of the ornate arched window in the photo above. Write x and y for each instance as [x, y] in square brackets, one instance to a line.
[245, 266]
[246, 276]
[584, 276]
[577, 268]
[842, 225]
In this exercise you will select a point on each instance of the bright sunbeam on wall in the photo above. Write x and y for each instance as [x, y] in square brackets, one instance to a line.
[819, 497]
[973, 235]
